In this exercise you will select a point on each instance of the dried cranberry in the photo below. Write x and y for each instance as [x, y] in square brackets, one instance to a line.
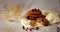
[37, 28]
[26, 29]
[30, 29]
[23, 28]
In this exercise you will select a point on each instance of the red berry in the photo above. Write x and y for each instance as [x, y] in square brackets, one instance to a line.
[23, 28]
[26, 29]
[37, 28]
[30, 29]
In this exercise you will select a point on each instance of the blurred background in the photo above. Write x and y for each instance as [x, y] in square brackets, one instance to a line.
[26, 4]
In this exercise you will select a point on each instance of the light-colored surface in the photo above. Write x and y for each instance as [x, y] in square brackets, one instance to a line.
[41, 4]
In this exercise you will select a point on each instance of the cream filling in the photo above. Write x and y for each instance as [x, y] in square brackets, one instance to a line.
[52, 18]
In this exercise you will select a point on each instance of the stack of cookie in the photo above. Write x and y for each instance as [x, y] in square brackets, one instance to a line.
[35, 15]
